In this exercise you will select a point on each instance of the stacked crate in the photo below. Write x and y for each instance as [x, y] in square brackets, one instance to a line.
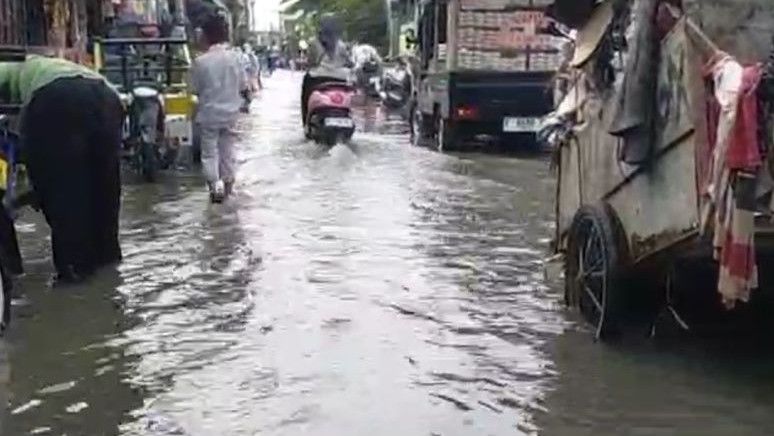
[502, 35]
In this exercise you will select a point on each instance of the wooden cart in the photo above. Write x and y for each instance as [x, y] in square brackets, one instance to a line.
[623, 227]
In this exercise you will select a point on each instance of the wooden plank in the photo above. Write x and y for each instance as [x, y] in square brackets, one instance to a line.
[657, 208]
[674, 116]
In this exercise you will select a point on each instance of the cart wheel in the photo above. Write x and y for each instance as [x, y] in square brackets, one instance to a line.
[594, 270]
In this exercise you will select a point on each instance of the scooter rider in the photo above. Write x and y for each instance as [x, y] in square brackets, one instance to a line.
[328, 60]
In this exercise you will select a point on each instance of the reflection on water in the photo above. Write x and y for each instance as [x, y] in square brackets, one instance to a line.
[369, 289]
[688, 387]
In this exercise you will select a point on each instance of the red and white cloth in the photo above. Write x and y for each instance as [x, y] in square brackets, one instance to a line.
[730, 189]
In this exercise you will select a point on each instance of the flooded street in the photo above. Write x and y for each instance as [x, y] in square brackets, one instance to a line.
[376, 290]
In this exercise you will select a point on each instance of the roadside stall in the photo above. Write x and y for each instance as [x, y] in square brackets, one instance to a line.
[665, 148]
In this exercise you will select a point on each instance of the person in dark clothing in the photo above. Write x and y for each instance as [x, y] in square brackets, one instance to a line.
[328, 61]
[74, 166]
[70, 142]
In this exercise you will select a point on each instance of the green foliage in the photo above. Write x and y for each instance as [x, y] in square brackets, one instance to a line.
[364, 21]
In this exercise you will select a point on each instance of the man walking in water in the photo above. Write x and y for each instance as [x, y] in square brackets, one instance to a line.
[218, 79]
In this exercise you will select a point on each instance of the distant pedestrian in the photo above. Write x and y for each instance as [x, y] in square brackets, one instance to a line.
[252, 67]
[219, 80]
[247, 94]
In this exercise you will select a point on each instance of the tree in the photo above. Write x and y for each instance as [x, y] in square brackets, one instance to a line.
[364, 21]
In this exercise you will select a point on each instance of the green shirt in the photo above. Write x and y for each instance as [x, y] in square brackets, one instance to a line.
[20, 80]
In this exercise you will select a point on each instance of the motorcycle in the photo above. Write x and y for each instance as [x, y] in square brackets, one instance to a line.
[329, 118]
[368, 78]
[144, 144]
[150, 74]
[395, 90]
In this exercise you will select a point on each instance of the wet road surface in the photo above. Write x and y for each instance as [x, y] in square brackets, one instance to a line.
[386, 290]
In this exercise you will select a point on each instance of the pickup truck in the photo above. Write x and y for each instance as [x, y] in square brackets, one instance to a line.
[485, 72]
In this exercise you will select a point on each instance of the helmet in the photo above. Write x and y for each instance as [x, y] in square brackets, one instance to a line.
[329, 23]
[329, 32]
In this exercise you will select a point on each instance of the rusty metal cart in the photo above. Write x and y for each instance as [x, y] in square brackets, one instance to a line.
[631, 205]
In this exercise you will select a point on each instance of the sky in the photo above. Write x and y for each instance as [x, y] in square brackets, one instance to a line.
[266, 14]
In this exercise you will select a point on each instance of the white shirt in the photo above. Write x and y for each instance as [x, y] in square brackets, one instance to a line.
[217, 78]
[364, 53]
[330, 65]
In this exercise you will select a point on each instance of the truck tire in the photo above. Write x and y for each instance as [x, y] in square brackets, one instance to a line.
[445, 135]
[595, 270]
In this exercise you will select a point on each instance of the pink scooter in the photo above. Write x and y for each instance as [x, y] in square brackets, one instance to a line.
[329, 119]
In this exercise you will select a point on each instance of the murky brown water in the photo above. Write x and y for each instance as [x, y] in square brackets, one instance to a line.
[390, 291]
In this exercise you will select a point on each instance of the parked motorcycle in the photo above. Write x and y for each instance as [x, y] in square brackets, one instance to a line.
[368, 78]
[151, 75]
[144, 144]
[329, 118]
[368, 68]
[395, 89]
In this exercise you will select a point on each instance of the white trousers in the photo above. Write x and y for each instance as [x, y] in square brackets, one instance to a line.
[217, 142]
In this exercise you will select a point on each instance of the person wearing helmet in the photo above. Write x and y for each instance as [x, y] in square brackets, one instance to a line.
[328, 60]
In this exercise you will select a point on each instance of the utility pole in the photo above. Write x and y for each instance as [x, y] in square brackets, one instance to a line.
[393, 26]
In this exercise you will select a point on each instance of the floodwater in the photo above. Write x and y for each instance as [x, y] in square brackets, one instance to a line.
[379, 289]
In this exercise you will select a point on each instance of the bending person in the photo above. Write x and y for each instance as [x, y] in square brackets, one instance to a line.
[70, 141]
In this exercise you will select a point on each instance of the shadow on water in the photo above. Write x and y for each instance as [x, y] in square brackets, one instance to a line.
[187, 277]
[712, 380]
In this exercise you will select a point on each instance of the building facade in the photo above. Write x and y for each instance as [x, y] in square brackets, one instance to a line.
[57, 27]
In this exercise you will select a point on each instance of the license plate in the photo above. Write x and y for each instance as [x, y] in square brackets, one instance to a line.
[520, 124]
[3, 174]
[339, 122]
[374, 80]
